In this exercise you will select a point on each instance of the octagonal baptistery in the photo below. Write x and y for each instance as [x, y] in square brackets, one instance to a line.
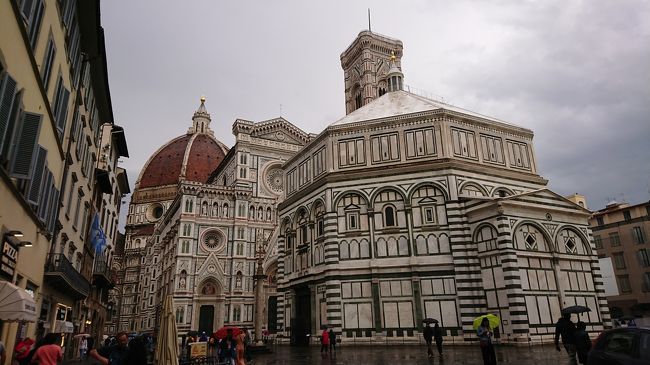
[190, 157]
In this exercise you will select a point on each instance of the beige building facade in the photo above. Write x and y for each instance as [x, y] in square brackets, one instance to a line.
[621, 233]
[55, 114]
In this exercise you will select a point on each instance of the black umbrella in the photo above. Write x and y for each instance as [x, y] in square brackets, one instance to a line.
[192, 333]
[576, 309]
[429, 320]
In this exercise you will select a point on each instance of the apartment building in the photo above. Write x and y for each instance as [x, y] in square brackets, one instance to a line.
[621, 232]
[58, 165]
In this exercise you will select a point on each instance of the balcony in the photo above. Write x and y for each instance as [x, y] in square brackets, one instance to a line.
[103, 276]
[60, 273]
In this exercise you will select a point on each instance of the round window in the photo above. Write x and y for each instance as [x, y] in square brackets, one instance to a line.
[213, 240]
[274, 180]
[157, 212]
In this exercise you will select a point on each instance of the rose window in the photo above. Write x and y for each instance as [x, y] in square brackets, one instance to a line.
[212, 241]
[274, 180]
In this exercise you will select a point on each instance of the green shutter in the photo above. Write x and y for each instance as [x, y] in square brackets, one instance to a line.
[36, 185]
[26, 143]
[7, 95]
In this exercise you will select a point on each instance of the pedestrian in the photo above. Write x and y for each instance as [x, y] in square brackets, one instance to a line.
[226, 348]
[137, 354]
[188, 347]
[22, 350]
[428, 338]
[3, 353]
[83, 348]
[324, 341]
[484, 333]
[50, 353]
[332, 340]
[582, 342]
[203, 338]
[241, 349]
[565, 329]
[90, 344]
[437, 336]
[115, 354]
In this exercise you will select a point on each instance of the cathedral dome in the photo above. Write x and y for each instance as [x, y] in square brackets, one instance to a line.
[191, 157]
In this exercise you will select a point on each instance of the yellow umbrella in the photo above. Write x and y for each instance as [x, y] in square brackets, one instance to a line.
[492, 319]
[167, 347]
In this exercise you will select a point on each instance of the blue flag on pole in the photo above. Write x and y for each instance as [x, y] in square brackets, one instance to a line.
[97, 236]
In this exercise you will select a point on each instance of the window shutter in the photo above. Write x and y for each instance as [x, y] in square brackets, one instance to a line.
[36, 183]
[62, 110]
[45, 197]
[7, 95]
[54, 206]
[35, 22]
[26, 9]
[24, 153]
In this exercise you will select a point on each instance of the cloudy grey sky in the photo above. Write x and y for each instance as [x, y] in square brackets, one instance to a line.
[575, 72]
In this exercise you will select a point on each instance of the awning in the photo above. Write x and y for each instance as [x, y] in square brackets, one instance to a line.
[16, 304]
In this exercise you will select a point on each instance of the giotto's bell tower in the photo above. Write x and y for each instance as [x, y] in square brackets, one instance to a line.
[366, 63]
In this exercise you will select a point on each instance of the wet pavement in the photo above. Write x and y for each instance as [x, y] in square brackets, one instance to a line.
[411, 355]
[401, 354]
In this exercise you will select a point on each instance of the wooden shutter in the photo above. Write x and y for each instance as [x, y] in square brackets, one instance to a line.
[25, 151]
[7, 95]
[36, 184]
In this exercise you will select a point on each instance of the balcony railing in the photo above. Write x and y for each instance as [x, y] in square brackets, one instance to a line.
[103, 276]
[60, 273]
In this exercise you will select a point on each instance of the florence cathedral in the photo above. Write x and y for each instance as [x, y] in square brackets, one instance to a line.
[405, 208]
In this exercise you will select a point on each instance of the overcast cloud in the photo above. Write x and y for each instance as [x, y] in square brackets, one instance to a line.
[575, 72]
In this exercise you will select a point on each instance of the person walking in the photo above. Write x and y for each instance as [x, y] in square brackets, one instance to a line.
[582, 342]
[565, 329]
[484, 333]
[324, 341]
[22, 350]
[332, 339]
[428, 338]
[226, 348]
[241, 349]
[83, 348]
[115, 354]
[437, 336]
[3, 353]
[50, 353]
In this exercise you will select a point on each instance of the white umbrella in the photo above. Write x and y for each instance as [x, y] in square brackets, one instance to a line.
[16, 304]
[167, 347]
[81, 335]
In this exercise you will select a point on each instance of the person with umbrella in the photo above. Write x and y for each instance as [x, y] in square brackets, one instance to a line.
[428, 338]
[484, 333]
[437, 336]
[565, 329]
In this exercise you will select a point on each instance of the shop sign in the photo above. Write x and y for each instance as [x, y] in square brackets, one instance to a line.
[8, 260]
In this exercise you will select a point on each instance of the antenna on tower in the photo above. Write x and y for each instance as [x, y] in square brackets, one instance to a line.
[369, 27]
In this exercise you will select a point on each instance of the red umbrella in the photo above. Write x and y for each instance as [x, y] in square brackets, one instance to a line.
[223, 332]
